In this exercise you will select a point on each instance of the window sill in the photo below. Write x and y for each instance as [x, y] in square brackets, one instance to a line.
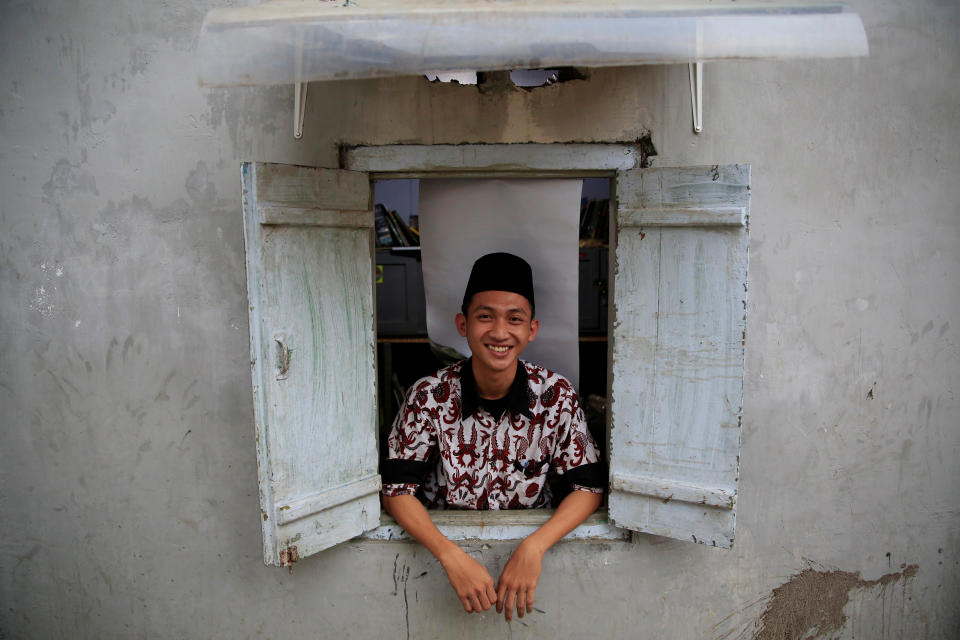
[500, 525]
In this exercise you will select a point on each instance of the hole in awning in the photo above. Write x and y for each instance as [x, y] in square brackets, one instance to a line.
[524, 78]
[534, 77]
[460, 77]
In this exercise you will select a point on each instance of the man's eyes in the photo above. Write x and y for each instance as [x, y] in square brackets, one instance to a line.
[513, 319]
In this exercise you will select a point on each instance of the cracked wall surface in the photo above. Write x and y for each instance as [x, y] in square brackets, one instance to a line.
[129, 495]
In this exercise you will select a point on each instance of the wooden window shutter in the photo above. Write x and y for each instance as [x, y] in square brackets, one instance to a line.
[310, 288]
[680, 295]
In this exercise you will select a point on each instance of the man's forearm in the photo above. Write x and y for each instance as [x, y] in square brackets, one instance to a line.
[410, 514]
[571, 512]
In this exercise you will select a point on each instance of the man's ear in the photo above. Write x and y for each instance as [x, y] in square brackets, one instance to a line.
[461, 322]
[534, 327]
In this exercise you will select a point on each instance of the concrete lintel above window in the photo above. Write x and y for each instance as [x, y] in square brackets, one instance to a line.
[297, 41]
[530, 160]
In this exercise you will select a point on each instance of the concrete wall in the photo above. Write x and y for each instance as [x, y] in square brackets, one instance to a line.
[128, 477]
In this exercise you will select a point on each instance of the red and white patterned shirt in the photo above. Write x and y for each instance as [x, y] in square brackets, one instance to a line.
[446, 443]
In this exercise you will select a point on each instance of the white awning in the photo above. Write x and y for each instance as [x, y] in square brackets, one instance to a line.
[298, 41]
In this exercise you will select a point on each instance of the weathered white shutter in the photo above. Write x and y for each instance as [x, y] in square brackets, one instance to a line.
[680, 295]
[310, 287]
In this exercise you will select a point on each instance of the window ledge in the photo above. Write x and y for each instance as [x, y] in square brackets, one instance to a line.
[500, 525]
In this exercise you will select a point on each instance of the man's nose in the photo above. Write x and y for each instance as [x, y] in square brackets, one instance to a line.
[499, 329]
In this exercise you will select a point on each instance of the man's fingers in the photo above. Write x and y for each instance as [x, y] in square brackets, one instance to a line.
[479, 601]
[501, 596]
[521, 607]
[477, 604]
[492, 595]
[508, 602]
[530, 593]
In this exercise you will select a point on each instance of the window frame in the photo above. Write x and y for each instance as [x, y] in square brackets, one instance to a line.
[500, 161]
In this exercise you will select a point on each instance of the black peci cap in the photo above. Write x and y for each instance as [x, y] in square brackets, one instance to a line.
[500, 272]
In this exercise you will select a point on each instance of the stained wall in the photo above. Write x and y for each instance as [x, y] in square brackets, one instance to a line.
[129, 493]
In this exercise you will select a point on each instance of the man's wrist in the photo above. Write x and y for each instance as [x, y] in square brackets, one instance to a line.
[534, 544]
[447, 552]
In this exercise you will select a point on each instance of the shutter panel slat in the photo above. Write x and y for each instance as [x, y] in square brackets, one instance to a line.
[668, 489]
[684, 217]
[315, 217]
[680, 300]
[309, 187]
[323, 500]
[310, 288]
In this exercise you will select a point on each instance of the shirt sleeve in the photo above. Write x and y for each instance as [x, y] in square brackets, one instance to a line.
[577, 457]
[411, 443]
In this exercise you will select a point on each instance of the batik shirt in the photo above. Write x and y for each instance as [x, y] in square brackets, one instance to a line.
[447, 448]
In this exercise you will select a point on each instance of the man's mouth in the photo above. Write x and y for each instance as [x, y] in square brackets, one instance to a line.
[498, 349]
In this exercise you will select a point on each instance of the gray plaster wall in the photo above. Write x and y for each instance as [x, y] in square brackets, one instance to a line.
[128, 486]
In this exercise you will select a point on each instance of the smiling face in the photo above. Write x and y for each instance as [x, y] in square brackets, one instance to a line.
[498, 326]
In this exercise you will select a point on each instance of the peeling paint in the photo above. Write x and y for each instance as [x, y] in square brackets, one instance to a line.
[201, 189]
[41, 298]
[810, 604]
[40, 301]
[67, 178]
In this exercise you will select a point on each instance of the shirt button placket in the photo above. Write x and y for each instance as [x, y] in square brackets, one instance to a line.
[491, 500]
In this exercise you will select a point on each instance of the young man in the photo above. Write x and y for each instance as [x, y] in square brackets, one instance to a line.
[483, 434]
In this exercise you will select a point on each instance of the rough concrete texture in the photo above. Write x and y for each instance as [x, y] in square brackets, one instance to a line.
[129, 493]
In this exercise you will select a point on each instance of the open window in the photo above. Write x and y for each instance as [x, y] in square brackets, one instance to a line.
[676, 318]
[437, 227]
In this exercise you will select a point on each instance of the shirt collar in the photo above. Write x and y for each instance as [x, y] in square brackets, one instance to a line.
[517, 397]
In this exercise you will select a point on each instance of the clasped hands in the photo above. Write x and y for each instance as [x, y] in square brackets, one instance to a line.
[515, 588]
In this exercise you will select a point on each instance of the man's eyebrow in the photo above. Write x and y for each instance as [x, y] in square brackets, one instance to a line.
[509, 311]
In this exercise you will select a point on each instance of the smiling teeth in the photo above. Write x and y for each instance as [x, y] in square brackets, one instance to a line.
[498, 349]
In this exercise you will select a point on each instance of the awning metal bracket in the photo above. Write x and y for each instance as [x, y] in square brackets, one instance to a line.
[696, 94]
[299, 88]
[299, 107]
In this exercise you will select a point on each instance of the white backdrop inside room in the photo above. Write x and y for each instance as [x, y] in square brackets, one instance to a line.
[461, 220]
